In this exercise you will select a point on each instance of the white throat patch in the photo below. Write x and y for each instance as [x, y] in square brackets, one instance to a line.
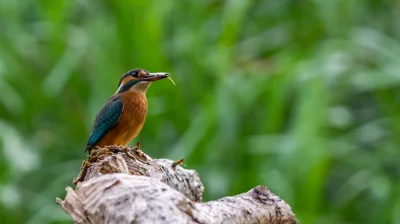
[141, 86]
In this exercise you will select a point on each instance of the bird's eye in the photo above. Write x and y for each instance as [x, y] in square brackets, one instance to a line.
[135, 74]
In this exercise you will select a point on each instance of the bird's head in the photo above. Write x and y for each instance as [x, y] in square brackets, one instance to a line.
[139, 80]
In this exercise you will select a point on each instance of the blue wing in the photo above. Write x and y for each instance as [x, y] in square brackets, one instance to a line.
[108, 116]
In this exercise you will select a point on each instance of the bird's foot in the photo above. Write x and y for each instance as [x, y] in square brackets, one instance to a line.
[118, 148]
[114, 148]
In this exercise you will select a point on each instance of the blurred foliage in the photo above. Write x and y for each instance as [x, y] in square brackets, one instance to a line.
[300, 96]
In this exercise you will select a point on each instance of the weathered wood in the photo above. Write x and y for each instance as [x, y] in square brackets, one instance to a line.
[123, 185]
[115, 159]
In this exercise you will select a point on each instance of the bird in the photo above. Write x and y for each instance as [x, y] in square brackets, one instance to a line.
[122, 117]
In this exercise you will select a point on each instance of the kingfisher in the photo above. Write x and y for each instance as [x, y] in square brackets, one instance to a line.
[121, 119]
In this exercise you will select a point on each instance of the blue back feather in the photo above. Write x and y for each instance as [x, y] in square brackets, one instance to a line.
[107, 118]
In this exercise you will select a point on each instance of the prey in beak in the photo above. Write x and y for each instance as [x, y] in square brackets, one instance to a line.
[157, 76]
[140, 80]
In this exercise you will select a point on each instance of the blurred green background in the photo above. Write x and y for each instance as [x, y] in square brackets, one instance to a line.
[300, 96]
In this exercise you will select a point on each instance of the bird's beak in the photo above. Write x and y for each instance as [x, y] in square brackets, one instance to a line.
[155, 76]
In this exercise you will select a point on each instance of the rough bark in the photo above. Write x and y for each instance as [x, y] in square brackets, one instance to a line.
[138, 189]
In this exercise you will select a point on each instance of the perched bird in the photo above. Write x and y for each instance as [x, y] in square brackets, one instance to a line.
[122, 117]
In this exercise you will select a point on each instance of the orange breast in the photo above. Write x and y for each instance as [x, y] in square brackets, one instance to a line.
[131, 121]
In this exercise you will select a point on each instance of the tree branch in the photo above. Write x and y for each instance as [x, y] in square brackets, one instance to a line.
[138, 189]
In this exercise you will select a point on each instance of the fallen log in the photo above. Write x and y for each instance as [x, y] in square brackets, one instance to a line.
[124, 185]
